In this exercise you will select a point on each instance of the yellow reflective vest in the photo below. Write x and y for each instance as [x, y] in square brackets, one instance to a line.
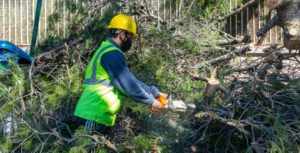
[100, 101]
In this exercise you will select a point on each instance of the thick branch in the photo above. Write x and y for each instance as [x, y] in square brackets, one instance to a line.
[228, 56]
[228, 41]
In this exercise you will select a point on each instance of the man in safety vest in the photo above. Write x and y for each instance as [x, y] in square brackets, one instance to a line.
[107, 77]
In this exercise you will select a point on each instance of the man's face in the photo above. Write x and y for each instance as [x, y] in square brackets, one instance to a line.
[126, 39]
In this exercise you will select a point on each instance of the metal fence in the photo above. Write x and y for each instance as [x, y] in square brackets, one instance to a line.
[249, 21]
[17, 16]
[16, 20]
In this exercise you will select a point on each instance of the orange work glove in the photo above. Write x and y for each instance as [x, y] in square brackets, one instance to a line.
[161, 107]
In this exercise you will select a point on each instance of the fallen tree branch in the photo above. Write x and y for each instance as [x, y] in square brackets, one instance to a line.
[228, 41]
[255, 64]
[228, 56]
[230, 122]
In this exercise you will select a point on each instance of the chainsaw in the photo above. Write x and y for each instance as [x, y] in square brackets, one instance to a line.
[167, 104]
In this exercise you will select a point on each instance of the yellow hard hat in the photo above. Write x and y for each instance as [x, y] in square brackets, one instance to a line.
[124, 22]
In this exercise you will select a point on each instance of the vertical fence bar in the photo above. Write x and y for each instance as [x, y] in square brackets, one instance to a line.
[176, 11]
[51, 8]
[180, 7]
[3, 20]
[9, 39]
[247, 15]
[270, 34]
[164, 10]
[262, 13]
[39, 29]
[21, 18]
[170, 13]
[21, 27]
[15, 22]
[236, 19]
[32, 13]
[45, 13]
[230, 18]
[64, 28]
[158, 14]
[254, 27]
[152, 6]
[259, 10]
[128, 6]
[276, 31]
[27, 22]
[242, 23]
[56, 26]
[51, 11]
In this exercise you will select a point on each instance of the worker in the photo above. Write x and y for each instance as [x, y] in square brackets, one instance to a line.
[108, 78]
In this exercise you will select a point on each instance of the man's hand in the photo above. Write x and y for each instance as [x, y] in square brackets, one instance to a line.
[158, 108]
[156, 104]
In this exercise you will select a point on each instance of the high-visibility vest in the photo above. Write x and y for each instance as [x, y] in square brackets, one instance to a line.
[100, 101]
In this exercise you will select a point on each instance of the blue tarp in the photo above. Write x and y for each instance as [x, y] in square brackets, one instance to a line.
[10, 51]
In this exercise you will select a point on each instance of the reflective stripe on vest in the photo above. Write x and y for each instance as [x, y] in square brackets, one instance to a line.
[93, 79]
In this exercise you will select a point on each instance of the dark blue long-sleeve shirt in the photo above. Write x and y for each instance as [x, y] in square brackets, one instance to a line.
[122, 78]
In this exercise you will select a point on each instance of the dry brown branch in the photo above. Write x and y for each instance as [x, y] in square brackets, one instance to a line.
[228, 56]
[228, 41]
[230, 122]
[31, 81]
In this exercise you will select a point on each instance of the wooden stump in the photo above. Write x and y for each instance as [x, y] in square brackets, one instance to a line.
[212, 85]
